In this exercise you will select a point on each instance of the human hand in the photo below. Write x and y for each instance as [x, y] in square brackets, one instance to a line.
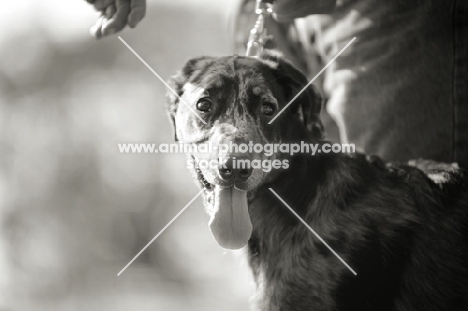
[115, 15]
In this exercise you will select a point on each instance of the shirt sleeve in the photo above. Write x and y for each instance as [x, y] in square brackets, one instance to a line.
[287, 10]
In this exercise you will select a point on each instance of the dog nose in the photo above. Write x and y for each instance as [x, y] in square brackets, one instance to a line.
[235, 168]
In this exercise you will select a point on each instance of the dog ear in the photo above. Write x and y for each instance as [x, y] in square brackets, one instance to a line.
[177, 82]
[309, 103]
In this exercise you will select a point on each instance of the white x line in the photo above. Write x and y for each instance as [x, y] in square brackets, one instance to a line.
[312, 230]
[160, 232]
[312, 81]
[162, 80]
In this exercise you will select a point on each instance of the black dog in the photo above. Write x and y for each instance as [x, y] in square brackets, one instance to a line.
[402, 228]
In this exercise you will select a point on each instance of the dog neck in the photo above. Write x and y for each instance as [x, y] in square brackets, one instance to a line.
[295, 185]
[335, 176]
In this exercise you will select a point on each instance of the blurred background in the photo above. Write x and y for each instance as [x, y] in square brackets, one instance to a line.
[73, 210]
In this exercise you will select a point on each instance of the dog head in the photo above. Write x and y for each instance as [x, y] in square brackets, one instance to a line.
[225, 102]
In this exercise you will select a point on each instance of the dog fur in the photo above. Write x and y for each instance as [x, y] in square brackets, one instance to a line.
[402, 227]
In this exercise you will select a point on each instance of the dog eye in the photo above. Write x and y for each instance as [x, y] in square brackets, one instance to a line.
[268, 109]
[204, 105]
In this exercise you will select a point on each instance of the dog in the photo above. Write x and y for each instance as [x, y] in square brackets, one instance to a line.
[403, 228]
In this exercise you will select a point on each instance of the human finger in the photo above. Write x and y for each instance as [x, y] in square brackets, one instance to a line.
[137, 12]
[119, 20]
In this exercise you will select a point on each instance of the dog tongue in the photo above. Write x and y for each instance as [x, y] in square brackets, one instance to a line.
[230, 223]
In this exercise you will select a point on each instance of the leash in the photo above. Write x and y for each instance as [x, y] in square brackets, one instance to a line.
[263, 8]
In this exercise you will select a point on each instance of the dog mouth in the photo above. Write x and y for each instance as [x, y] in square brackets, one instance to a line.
[203, 182]
[227, 205]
